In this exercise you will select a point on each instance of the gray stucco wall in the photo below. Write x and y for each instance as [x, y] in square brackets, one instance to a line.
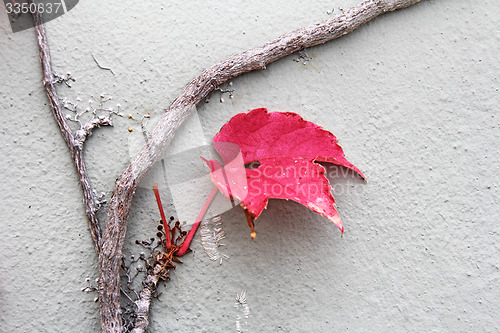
[413, 98]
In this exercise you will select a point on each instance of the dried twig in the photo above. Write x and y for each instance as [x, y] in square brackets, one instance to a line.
[102, 67]
[110, 253]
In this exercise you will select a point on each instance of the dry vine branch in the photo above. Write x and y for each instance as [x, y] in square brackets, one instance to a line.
[110, 253]
[144, 302]
[75, 144]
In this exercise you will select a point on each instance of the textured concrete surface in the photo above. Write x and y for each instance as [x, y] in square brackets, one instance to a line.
[413, 97]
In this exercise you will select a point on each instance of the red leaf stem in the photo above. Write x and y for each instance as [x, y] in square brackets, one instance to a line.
[164, 220]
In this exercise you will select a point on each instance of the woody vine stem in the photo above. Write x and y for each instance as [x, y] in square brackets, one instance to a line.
[109, 244]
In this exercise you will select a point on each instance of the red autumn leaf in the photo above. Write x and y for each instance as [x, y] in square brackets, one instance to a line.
[286, 147]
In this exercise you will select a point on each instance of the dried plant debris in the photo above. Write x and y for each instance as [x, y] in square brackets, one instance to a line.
[95, 111]
[211, 235]
[302, 57]
[241, 304]
[90, 288]
[102, 67]
[99, 199]
[95, 116]
[228, 90]
[67, 80]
